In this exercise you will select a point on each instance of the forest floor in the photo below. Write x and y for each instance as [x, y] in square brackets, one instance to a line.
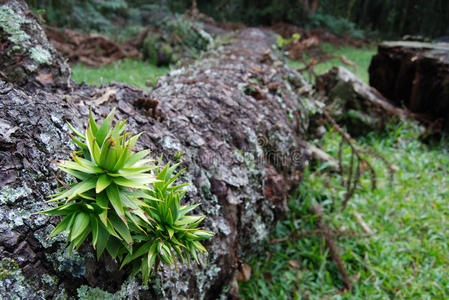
[406, 257]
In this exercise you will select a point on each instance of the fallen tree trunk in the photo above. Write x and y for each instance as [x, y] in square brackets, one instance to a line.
[414, 74]
[354, 103]
[233, 116]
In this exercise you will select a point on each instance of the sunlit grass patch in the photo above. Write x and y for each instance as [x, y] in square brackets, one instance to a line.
[133, 72]
[408, 255]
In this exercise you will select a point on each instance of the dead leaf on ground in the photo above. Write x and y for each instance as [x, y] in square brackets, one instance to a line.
[294, 263]
[105, 97]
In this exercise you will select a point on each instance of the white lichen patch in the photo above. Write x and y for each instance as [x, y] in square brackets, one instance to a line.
[129, 290]
[72, 263]
[11, 23]
[204, 278]
[10, 195]
[40, 55]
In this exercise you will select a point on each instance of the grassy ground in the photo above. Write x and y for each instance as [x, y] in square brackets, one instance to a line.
[408, 255]
[360, 56]
[134, 72]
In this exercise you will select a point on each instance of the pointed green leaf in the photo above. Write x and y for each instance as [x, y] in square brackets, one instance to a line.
[145, 270]
[188, 220]
[113, 247]
[79, 225]
[136, 157]
[129, 183]
[103, 182]
[199, 246]
[94, 227]
[103, 237]
[105, 127]
[121, 228]
[86, 163]
[73, 129]
[170, 232]
[105, 148]
[77, 189]
[202, 234]
[114, 197]
[76, 174]
[152, 256]
[78, 142]
[62, 226]
[75, 166]
[185, 209]
[94, 150]
[141, 251]
[133, 140]
[92, 122]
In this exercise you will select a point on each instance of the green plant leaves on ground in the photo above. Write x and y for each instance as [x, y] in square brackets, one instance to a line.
[131, 209]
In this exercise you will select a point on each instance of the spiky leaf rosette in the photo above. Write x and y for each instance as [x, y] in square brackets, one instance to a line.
[131, 209]
[107, 199]
[172, 230]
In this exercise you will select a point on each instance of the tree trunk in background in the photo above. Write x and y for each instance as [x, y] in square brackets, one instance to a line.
[237, 120]
[414, 74]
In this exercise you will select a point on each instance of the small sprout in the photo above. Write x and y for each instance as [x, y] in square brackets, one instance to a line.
[131, 209]
[179, 155]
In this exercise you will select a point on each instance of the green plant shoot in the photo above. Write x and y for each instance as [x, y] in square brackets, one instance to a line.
[129, 208]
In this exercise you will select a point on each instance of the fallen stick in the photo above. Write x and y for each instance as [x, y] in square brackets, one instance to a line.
[363, 224]
[331, 244]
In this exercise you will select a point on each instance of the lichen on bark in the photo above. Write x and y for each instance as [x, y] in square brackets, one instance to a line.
[242, 154]
[27, 58]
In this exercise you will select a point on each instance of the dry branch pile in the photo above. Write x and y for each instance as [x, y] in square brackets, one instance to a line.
[93, 50]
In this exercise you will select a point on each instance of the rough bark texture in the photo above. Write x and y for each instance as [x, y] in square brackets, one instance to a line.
[237, 120]
[352, 102]
[414, 74]
[26, 57]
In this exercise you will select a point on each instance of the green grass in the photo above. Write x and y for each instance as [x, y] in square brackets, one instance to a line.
[408, 255]
[407, 258]
[360, 56]
[133, 72]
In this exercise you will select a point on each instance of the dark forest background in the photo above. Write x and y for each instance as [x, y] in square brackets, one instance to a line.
[359, 18]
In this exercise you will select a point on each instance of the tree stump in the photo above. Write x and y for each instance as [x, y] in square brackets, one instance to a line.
[414, 74]
[234, 117]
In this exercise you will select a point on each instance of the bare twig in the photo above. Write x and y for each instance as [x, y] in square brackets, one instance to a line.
[363, 224]
[331, 245]
[320, 155]
[356, 151]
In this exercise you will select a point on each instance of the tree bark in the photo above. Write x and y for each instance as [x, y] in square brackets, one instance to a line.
[414, 74]
[236, 119]
[26, 57]
[354, 103]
